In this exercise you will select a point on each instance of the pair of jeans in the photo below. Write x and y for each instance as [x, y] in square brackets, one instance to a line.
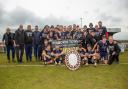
[37, 52]
[12, 49]
[19, 52]
[28, 51]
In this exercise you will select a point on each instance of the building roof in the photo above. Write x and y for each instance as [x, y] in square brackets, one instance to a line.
[114, 29]
[121, 36]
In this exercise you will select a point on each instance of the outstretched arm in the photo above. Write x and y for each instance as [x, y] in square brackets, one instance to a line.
[94, 46]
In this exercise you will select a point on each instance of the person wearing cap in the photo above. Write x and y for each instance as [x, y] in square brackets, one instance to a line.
[8, 39]
[36, 43]
[28, 43]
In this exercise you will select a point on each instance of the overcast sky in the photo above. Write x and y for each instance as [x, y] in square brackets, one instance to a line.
[113, 13]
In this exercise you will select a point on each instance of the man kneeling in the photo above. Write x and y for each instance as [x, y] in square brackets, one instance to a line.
[91, 56]
[82, 52]
[57, 53]
[47, 55]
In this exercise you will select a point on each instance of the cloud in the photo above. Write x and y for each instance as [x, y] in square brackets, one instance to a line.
[21, 15]
[120, 5]
[53, 20]
[110, 19]
[123, 4]
[111, 12]
[2, 14]
[107, 17]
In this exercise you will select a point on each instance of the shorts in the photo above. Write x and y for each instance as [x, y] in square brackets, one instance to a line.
[47, 59]
[104, 55]
[58, 60]
[90, 60]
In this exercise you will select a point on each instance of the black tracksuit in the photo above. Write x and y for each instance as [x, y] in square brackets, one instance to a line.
[19, 40]
[114, 51]
[102, 31]
[90, 40]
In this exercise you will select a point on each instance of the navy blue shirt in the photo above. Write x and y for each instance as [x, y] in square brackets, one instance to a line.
[36, 37]
[103, 46]
[57, 51]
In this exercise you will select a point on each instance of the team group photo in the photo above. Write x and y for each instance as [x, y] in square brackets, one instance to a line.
[95, 44]
[63, 44]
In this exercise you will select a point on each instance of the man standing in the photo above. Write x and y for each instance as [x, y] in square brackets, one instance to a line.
[91, 39]
[43, 35]
[91, 28]
[97, 33]
[19, 43]
[102, 30]
[8, 39]
[36, 42]
[28, 43]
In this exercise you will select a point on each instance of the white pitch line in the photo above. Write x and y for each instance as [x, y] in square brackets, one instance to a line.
[123, 63]
[46, 65]
[28, 65]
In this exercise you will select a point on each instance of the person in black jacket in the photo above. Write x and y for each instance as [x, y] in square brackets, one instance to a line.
[114, 50]
[117, 56]
[102, 29]
[8, 39]
[19, 43]
[91, 39]
[97, 33]
[91, 28]
[44, 34]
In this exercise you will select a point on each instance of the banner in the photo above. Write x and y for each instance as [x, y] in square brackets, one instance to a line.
[65, 43]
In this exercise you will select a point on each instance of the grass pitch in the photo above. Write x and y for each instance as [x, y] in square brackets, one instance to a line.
[18, 76]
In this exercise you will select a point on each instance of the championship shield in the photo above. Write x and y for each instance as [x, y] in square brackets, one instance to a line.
[73, 60]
